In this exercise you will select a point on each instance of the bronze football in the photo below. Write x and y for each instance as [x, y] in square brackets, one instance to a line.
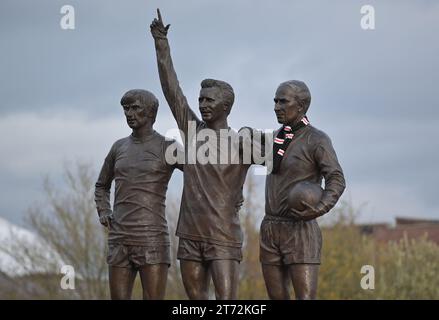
[310, 192]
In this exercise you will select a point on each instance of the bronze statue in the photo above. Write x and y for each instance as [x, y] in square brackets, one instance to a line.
[138, 238]
[209, 231]
[290, 238]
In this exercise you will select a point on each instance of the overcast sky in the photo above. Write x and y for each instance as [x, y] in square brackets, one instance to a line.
[374, 92]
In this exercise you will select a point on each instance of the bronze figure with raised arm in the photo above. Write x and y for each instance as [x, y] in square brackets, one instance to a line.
[209, 231]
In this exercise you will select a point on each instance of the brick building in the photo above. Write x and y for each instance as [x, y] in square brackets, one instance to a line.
[413, 228]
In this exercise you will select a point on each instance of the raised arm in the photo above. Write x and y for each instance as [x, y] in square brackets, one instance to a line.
[168, 78]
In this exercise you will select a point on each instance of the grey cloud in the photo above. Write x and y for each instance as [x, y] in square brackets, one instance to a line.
[374, 92]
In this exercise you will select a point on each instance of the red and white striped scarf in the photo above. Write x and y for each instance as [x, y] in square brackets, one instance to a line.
[283, 139]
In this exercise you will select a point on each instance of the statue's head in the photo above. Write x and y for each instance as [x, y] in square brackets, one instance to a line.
[215, 100]
[292, 101]
[140, 107]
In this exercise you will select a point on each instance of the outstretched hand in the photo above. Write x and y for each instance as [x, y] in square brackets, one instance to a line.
[158, 29]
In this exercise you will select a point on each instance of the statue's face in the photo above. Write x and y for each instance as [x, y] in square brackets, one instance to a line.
[211, 104]
[285, 106]
[135, 114]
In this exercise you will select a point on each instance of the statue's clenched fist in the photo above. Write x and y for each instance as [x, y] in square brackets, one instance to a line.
[106, 219]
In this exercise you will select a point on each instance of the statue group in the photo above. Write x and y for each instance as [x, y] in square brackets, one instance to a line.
[297, 156]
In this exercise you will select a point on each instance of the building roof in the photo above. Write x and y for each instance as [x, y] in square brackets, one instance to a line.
[412, 228]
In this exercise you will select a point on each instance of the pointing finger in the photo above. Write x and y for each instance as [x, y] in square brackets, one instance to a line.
[159, 15]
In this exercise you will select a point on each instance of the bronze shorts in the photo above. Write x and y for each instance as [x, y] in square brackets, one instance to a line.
[125, 256]
[203, 251]
[284, 242]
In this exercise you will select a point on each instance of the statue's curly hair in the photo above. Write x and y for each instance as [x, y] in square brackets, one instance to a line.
[146, 99]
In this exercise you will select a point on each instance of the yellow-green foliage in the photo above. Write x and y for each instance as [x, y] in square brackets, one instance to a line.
[403, 270]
